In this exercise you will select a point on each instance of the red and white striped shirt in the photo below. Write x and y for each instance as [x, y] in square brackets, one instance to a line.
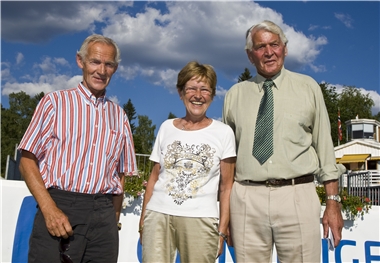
[81, 142]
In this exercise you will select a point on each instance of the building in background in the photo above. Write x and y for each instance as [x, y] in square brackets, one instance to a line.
[362, 149]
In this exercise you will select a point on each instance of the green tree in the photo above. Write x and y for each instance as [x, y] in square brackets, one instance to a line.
[15, 121]
[131, 114]
[377, 116]
[331, 100]
[246, 75]
[171, 116]
[144, 135]
[351, 103]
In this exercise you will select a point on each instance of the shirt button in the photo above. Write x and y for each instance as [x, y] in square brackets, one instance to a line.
[270, 161]
[91, 164]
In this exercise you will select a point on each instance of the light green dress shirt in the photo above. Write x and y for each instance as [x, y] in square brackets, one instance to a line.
[302, 139]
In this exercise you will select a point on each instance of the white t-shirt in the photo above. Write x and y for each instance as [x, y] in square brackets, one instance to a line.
[188, 181]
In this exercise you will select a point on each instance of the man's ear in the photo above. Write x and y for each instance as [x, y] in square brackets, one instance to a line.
[286, 50]
[249, 56]
[79, 61]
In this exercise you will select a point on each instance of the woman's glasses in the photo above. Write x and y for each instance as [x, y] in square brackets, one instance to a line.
[204, 91]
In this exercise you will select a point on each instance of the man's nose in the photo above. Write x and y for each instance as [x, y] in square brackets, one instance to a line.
[102, 69]
[268, 50]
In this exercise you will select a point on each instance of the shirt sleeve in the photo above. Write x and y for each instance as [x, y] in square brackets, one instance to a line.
[156, 151]
[229, 147]
[322, 141]
[127, 164]
[40, 129]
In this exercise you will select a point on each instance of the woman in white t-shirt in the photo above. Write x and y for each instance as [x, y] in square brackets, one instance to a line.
[194, 160]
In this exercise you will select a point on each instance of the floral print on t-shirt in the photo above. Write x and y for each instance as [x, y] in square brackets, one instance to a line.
[187, 167]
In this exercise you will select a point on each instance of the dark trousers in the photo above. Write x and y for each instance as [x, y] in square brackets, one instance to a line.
[95, 238]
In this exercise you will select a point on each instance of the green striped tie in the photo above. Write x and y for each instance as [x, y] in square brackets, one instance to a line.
[263, 140]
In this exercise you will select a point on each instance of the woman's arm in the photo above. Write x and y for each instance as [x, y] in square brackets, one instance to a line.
[227, 170]
[148, 194]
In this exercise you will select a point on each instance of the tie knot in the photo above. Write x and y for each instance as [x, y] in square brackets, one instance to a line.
[268, 83]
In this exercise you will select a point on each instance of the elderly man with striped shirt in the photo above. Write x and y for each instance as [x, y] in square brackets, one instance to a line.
[75, 153]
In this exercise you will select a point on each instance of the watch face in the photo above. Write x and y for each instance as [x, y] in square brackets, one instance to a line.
[337, 198]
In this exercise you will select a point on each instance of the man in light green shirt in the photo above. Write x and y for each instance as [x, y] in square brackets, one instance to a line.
[274, 201]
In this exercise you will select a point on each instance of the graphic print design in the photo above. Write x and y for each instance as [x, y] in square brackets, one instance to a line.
[187, 168]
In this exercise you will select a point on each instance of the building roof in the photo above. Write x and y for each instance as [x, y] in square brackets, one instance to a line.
[359, 146]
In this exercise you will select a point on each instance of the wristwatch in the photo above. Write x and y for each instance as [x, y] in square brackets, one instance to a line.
[334, 197]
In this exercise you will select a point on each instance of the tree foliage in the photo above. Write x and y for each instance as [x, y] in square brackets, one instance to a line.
[377, 116]
[171, 116]
[331, 100]
[144, 135]
[246, 75]
[350, 102]
[130, 110]
[15, 121]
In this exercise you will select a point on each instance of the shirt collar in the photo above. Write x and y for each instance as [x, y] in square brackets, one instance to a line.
[89, 96]
[277, 79]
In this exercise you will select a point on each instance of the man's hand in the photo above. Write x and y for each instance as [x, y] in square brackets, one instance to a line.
[332, 218]
[57, 223]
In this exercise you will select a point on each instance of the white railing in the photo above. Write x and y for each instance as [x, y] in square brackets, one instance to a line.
[364, 184]
[374, 177]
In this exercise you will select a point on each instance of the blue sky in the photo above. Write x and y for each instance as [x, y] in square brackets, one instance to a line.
[334, 42]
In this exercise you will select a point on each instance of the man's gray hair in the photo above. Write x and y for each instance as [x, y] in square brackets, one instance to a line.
[267, 26]
[98, 39]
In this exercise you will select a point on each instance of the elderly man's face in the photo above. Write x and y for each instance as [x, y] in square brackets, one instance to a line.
[268, 53]
[98, 67]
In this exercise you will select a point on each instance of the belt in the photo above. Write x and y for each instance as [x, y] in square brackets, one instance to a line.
[282, 182]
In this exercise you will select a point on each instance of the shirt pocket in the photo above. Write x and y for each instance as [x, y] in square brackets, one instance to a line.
[296, 129]
[115, 144]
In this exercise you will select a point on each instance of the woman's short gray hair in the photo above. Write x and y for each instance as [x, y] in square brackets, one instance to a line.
[98, 38]
[267, 26]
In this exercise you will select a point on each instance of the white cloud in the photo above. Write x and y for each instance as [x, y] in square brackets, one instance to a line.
[153, 40]
[221, 92]
[313, 27]
[376, 99]
[19, 58]
[345, 19]
[320, 68]
[6, 72]
[162, 37]
[45, 83]
[61, 61]
[156, 44]
[47, 66]
[114, 99]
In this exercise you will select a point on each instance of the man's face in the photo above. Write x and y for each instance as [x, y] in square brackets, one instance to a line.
[98, 67]
[268, 53]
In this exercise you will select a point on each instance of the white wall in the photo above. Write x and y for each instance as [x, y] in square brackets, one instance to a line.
[361, 241]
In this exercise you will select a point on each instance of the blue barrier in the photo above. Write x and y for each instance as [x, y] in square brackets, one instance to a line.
[24, 227]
